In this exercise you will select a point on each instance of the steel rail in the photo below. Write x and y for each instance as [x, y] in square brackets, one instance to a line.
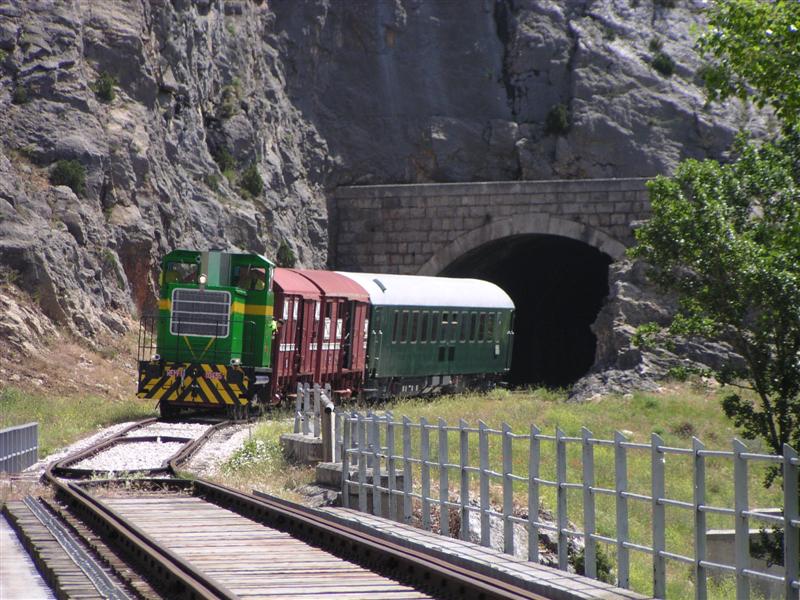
[425, 570]
[177, 577]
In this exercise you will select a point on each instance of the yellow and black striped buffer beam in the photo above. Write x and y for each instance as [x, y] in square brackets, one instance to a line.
[210, 384]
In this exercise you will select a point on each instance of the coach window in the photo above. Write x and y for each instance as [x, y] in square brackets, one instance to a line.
[490, 326]
[482, 327]
[423, 330]
[456, 323]
[463, 327]
[394, 327]
[473, 326]
[404, 327]
[444, 324]
[434, 326]
[498, 331]
[414, 323]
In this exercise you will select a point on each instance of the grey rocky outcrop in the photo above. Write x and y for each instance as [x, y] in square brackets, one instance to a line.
[314, 94]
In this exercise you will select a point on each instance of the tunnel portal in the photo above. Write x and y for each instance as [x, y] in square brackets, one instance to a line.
[558, 286]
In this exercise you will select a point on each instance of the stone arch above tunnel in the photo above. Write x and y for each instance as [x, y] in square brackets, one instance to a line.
[530, 224]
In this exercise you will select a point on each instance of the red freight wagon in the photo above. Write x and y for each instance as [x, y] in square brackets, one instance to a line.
[296, 299]
[339, 338]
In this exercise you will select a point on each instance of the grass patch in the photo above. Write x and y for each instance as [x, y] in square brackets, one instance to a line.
[62, 419]
[260, 463]
[676, 416]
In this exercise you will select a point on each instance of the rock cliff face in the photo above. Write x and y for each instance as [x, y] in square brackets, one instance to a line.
[168, 104]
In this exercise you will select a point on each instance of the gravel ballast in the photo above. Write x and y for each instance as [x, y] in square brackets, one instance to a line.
[130, 456]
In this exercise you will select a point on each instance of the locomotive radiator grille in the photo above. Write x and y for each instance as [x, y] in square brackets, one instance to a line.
[201, 313]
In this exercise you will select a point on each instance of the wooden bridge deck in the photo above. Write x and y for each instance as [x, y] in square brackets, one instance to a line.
[250, 559]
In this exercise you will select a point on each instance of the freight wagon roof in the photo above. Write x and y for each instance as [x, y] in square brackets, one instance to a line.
[335, 285]
[291, 282]
[417, 290]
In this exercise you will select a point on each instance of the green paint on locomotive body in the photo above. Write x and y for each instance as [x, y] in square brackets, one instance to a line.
[242, 330]
[416, 341]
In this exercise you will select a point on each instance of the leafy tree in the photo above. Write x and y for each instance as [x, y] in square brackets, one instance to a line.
[726, 238]
[754, 47]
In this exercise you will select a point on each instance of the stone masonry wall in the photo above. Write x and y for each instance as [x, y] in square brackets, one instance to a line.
[423, 228]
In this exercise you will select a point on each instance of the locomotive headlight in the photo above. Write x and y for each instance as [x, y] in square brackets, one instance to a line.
[156, 357]
[202, 279]
[235, 362]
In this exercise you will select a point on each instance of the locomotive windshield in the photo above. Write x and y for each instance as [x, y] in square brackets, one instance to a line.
[178, 272]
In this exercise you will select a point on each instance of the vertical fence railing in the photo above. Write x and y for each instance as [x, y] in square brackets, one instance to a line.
[19, 447]
[385, 450]
[314, 416]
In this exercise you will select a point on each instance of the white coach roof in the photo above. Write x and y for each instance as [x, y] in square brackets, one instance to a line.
[416, 290]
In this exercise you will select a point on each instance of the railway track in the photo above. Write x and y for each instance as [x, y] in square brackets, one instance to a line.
[175, 538]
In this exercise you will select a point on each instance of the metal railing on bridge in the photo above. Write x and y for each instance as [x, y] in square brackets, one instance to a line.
[399, 486]
[19, 447]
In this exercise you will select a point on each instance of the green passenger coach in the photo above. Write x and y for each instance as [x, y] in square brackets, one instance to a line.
[430, 334]
[211, 342]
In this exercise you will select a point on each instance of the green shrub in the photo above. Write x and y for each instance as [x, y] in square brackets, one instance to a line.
[20, 95]
[603, 564]
[557, 120]
[104, 87]
[3, 55]
[285, 256]
[655, 45]
[251, 181]
[223, 158]
[212, 181]
[663, 63]
[70, 173]
[231, 97]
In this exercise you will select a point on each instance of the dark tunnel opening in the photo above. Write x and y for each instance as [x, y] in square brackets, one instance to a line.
[558, 286]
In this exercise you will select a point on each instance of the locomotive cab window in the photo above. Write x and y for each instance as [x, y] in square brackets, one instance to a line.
[249, 278]
[178, 272]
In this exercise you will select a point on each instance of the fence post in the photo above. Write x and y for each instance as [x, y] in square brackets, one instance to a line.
[425, 471]
[377, 495]
[370, 437]
[306, 407]
[444, 483]
[328, 433]
[345, 461]
[362, 464]
[533, 496]
[590, 545]
[561, 500]
[406, 470]
[337, 436]
[463, 462]
[791, 512]
[483, 448]
[659, 524]
[298, 408]
[317, 410]
[391, 468]
[742, 525]
[701, 587]
[621, 486]
[508, 491]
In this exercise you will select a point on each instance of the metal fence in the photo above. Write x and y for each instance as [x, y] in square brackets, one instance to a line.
[314, 416]
[397, 480]
[19, 447]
